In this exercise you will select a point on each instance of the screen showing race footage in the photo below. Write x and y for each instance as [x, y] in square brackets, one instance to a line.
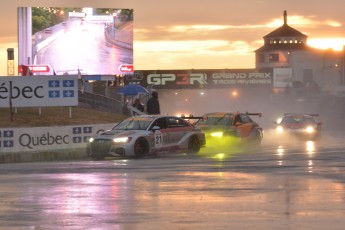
[69, 41]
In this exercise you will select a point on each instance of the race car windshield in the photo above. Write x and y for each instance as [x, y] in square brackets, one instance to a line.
[133, 124]
[219, 120]
[298, 120]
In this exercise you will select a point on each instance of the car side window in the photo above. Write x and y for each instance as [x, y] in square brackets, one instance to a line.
[245, 119]
[160, 122]
[175, 122]
[237, 119]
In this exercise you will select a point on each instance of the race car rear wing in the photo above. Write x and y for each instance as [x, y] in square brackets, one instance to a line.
[302, 114]
[191, 117]
[205, 117]
[254, 114]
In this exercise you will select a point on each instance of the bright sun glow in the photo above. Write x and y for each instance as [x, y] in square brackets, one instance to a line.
[327, 43]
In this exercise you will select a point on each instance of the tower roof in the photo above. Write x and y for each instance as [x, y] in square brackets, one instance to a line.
[289, 47]
[285, 31]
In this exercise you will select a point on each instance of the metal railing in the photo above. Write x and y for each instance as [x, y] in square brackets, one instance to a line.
[100, 102]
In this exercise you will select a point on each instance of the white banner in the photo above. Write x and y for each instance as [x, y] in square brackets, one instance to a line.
[38, 91]
[48, 138]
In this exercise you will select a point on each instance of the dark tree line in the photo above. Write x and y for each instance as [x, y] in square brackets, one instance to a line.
[44, 17]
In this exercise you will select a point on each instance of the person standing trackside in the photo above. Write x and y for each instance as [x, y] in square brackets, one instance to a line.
[138, 106]
[153, 104]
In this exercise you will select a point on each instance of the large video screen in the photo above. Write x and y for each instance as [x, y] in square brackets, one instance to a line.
[68, 41]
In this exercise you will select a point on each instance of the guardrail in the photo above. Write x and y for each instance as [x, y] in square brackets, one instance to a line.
[119, 37]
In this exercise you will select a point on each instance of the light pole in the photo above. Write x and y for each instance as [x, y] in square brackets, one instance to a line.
[342, 83]
[326, 82]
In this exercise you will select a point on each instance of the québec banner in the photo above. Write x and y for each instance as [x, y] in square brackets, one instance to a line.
[38, 91]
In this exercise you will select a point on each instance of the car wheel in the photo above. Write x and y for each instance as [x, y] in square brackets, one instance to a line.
[255, 137]
[141, 148]
[193, 144]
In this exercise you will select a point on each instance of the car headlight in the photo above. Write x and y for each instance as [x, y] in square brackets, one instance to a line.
[91, 139]
[217, 134]
[279, 120]
[122, 139]
[280, 129]
[309, 129]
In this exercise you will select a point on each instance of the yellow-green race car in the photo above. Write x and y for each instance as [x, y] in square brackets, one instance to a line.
[237, 125]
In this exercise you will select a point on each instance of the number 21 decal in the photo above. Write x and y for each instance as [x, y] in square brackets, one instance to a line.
[158, 139]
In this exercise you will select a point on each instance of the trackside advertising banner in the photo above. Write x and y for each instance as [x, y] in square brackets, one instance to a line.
[48, 138]
[196, 79]
[39, 91]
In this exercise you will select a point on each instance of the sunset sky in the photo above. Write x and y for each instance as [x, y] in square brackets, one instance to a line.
[200, 34]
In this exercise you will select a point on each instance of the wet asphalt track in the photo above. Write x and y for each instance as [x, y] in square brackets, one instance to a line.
[293, 185]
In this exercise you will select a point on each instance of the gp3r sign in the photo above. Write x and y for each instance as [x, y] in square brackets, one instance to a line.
[39, 91]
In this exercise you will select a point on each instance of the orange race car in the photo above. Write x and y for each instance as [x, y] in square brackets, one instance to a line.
[220, 125]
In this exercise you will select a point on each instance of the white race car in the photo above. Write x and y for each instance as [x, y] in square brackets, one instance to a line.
[142, 135]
